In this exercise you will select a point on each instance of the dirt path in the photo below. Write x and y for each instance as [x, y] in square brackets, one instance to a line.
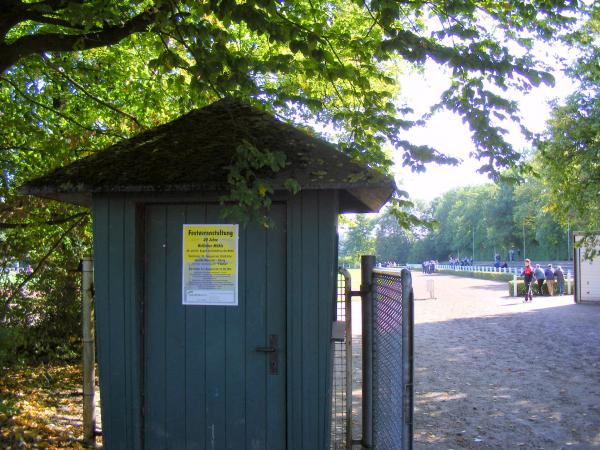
[494, 373]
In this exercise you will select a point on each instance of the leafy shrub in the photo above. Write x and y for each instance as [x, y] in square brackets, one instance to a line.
[494, 276]
[521, 288]
[11, 339]
[40, 313]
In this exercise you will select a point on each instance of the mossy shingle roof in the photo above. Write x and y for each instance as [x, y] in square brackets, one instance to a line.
[192, 153]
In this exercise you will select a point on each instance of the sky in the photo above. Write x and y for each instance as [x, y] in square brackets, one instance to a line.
[446, 132]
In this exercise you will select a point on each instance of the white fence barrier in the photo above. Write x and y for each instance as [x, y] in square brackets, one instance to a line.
[515, 270]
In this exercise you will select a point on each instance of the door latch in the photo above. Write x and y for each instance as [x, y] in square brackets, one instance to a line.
[272, 351]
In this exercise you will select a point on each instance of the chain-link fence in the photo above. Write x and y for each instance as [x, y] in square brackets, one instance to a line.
[392, 360]
[386, 373]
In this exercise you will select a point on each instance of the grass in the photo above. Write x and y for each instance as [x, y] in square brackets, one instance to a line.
[355, 277]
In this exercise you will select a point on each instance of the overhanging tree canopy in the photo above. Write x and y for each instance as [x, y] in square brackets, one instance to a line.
[76, 76]
[107, 69]
[569, 152]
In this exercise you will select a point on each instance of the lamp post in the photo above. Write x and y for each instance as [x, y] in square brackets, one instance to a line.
[569, 240]
[524, 256]
[473, 256]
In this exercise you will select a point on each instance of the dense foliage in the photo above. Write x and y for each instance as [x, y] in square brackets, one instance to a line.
[39, 308]
[569, 157]
[476, 221]
[77, 75]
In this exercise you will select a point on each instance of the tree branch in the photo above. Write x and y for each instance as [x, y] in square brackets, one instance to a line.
[15, 11]
[90, 95]
[57, 221]
[55, 5]
[41, 18]
[12, 13]
[39, 265]
[64, 116]
[27, 45]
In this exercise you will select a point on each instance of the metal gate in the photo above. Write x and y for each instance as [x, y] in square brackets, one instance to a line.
[392, 359]
[386, 372]
[341, 404]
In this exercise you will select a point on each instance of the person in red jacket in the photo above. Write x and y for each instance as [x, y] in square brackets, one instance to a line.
[527, 275]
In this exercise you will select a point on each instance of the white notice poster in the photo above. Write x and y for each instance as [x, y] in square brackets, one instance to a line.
[210, 265]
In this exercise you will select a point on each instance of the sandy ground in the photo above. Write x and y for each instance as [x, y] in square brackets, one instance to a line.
[494, 373]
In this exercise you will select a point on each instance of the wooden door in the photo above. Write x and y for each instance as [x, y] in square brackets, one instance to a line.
[205, 384]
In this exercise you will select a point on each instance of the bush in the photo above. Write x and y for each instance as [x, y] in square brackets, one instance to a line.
[41, 321]
[521, 288]
[39, 344]
[11, 340]
[494, 276]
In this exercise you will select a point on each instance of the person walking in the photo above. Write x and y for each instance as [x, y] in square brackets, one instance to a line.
[527, 275]
[549, 274]
[538, 273]
[560, 280]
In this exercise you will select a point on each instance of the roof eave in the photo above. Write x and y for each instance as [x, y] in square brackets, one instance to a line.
[357, 199]
[372, 198]
[79, 198]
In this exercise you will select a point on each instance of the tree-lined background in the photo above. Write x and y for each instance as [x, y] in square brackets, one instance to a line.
[473, 221]
[79, 75]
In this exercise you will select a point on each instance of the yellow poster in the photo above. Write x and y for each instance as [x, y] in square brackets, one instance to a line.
[210, 265]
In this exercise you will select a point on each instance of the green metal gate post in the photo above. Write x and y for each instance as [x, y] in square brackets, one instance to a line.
[367, 263]
[408, 319]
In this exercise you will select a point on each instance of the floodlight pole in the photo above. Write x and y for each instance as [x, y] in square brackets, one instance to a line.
[473, 256]
[524, 256]
[569, 240]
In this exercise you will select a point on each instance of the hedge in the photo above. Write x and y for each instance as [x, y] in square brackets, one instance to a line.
[494, 276]
[521, 288]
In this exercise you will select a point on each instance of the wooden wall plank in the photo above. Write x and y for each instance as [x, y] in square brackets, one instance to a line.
[256, 336]
[327, 212]
[276, 321]
[129, 313]
[134, 229]
[155, 432]
[294, 323]
[101, 215]
[215, 372]
[175, 335]
[310, 320]
[195, 382]
[118, 391]
[235, 355]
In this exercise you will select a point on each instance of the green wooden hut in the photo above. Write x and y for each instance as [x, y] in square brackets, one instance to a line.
[251, 375]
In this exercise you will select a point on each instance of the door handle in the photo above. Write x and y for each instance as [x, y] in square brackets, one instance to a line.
[272, 351]
[266, 349]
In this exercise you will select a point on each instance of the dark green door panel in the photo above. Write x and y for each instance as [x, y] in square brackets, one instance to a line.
[205, 385]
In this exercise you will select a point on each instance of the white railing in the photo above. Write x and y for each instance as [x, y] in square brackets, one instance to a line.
[475, 268]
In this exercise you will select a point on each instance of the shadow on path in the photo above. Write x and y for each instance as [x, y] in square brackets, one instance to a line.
[526, 379]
